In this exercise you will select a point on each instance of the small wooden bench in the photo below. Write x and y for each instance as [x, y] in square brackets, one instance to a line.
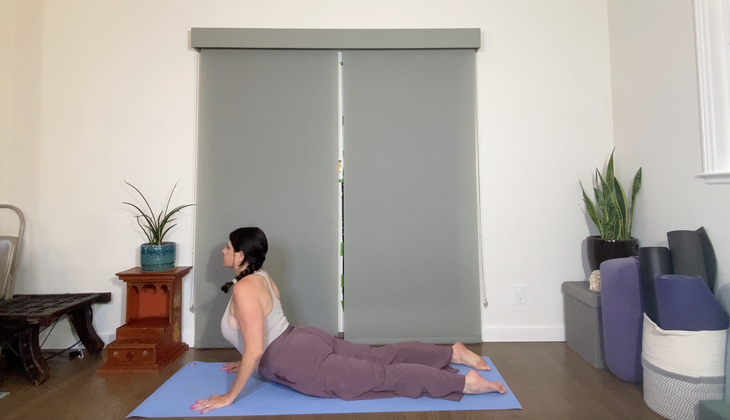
[22, 317]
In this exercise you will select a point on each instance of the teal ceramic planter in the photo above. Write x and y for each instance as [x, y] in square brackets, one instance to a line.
[157, 257]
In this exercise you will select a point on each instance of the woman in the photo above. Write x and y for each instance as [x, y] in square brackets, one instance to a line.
[314, 362]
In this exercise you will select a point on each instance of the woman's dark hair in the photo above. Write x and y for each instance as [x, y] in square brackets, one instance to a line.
[252, 242]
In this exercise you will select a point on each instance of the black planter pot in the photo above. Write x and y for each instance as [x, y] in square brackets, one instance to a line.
[600, 250]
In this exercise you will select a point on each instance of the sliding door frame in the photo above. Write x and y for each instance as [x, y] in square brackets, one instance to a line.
[320, 39]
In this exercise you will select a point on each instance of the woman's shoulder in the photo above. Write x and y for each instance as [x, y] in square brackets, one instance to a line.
[252, 280]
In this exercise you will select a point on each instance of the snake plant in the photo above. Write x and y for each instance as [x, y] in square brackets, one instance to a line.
[155, 227]
[611, 213]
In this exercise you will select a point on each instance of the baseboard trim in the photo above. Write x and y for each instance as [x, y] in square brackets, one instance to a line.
[58, 342]
[489, 335]
[522, 334]
[212, 344]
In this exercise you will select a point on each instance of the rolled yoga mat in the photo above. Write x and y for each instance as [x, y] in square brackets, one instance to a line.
[653, 261]
[687, 304]
[198, 380]
[693, 255]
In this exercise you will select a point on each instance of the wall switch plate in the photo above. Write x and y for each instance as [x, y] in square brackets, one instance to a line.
[520, 294]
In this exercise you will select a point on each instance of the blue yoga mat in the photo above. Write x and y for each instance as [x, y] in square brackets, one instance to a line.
[198, 380]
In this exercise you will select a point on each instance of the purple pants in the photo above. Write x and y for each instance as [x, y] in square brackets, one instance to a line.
[315, 363]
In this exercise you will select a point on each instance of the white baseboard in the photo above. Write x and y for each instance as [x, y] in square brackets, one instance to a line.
[489, 335]
[521, 334]
[58, 342]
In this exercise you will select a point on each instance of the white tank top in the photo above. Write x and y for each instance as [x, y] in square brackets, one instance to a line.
[275, 322]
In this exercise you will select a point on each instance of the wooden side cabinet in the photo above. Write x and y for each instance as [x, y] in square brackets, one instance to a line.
[151, 337]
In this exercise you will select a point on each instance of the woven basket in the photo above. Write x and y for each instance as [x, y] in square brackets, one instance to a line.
[682, 368]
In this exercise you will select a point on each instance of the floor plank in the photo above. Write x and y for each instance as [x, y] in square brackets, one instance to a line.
[549, 379]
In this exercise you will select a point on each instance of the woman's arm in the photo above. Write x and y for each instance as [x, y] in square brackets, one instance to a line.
[250, 315]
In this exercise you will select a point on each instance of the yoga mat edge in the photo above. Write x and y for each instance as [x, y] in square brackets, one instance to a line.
[198, 380]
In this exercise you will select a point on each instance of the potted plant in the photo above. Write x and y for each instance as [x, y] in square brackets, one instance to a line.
[156, 255]
[613, 215]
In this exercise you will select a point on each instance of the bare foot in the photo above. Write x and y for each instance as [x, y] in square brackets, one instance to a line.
[475, 384]
[464, 356]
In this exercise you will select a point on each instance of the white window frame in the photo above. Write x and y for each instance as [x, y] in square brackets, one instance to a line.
[712, 26]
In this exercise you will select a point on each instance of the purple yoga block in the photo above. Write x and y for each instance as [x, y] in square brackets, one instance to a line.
[622, 317]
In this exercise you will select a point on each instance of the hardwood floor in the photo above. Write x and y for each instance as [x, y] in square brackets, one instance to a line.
[550, 380]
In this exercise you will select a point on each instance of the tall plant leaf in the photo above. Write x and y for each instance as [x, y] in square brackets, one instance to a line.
[635, 187]
[601, 214]
[612, 213]
[610, 174]
[141, 195]
[167, 205]
[144, 229]
[599, 195]
[609, 209]
[591, 209]
[622, 210]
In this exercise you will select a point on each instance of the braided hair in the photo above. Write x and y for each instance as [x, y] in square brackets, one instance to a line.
[252, 242]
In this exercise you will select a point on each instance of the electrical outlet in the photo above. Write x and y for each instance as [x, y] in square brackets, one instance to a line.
[520, 294]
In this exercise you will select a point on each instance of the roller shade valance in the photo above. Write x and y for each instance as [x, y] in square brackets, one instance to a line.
[336, 39]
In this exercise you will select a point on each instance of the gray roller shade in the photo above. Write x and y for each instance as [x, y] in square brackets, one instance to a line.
[411, 259]
[267, 157]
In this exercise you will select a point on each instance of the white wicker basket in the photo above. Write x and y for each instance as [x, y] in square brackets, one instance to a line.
[682, 368]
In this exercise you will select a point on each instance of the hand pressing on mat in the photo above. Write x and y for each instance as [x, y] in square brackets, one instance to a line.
[213, 402]
[231, 367]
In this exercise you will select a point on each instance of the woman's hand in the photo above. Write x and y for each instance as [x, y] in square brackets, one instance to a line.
[231, 367]
[213, 402]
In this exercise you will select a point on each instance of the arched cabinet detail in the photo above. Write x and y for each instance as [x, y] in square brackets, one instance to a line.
[150, 339]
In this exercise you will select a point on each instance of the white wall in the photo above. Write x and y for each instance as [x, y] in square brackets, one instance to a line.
[98, 91]
[657, 123]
